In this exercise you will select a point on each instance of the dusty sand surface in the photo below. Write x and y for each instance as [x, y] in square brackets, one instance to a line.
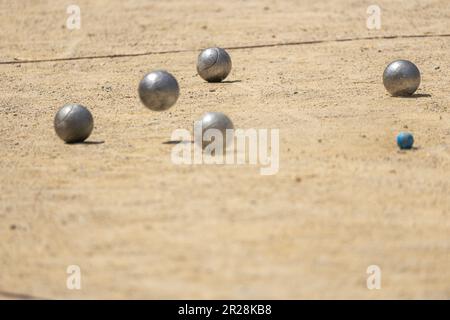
[141, 227]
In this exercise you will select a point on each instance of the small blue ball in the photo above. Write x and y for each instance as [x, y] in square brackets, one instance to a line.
[405, 140]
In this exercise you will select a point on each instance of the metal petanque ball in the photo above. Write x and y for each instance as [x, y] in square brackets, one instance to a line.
[216, 120]
[401, 78]
[73, 123]
[159, 90]
[405, 140]
[214, 64]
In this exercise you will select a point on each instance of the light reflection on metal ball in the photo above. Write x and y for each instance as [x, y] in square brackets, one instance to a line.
[218, 121]
[401, 78]
[73, 123]
[159, 90]
[214, 64]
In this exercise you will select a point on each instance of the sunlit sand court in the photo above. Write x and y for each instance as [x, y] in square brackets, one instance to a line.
[347, 213]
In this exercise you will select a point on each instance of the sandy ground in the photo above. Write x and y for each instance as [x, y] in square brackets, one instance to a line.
[141, 227]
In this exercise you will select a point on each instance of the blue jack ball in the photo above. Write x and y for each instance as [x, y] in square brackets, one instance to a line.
[405, 140]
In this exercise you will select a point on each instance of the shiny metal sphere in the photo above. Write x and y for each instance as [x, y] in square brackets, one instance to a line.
[401, 78]
[73, 123]
[214, 64]
[159, 90]
[219, 121]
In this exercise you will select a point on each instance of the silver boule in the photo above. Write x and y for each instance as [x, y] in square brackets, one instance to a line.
[159, 90]
[73, 123]
[219, 121]
[401, 78]
[214, 64]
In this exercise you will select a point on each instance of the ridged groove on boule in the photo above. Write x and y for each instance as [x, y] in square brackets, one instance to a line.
[214, 64]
